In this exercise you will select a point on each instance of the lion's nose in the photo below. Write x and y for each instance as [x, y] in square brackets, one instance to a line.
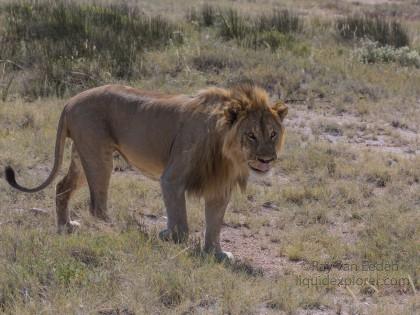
[265, 159]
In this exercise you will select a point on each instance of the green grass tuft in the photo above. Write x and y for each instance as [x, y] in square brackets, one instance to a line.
[267, 30]
[73, 46]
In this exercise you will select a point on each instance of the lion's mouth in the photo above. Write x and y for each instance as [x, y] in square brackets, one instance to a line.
[259, 166]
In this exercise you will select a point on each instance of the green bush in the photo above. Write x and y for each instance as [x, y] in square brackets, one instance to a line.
[236, 26]
[375, 28]
[69, 44]
[372, 52]
[283, 21]
[271, 31]
[233, 25]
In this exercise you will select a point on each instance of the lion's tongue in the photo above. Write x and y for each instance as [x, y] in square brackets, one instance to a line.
[260, 166]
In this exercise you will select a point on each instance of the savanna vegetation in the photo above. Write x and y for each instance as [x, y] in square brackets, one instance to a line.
[344, 194]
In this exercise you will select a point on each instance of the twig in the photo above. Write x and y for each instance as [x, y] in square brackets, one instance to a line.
[62, 193]
[412, 284]
[351, 293]
[5, 91]
[180, 252]
[12, 63]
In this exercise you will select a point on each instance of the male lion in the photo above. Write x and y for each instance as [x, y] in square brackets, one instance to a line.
[204, 145]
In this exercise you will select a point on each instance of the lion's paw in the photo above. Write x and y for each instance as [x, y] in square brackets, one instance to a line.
[165, 235]
[224, 256]
[68, 228]
[169, 235]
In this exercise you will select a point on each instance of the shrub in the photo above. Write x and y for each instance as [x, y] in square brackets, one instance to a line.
[283, 21]
[206, 16]
[375, 28]
[236, 26]
[271, 31]
[372, 52]
[67, 44]
[233, 25]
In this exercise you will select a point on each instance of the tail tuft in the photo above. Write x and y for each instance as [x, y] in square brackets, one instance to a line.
[10, 176]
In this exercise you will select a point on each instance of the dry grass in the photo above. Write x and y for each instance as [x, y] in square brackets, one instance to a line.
[330, 190]
[333, 203]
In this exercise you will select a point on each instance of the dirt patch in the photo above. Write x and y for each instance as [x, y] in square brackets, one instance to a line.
[371, 2]
[354, 130]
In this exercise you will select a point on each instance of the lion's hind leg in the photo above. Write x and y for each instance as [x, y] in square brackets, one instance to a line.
[97, 163]
[74, 179]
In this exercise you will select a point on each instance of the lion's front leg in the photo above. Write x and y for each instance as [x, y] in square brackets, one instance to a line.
[215, 210]
[174, 198]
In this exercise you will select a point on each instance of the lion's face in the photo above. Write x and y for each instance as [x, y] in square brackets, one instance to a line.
[259, 136]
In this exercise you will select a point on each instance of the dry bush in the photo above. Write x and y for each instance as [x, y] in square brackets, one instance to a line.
[375, 28]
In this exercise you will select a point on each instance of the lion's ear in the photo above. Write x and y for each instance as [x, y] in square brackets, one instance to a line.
[231, 113]
[281, 109]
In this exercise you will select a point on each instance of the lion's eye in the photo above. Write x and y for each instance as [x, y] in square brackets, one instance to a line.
[251, 136]
[273, 135]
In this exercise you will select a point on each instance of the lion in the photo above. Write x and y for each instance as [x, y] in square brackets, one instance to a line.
[203, 145]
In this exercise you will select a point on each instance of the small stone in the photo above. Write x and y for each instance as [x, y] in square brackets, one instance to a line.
[270, 205]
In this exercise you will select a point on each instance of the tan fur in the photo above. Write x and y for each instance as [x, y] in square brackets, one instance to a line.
[199, 144]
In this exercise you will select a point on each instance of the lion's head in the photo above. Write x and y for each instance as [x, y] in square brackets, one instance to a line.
[248, 136]
[255, 128]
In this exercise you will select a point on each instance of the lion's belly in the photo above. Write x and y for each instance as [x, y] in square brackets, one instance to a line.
[150, 166]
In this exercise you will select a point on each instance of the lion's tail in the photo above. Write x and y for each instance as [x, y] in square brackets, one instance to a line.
[58, 159]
